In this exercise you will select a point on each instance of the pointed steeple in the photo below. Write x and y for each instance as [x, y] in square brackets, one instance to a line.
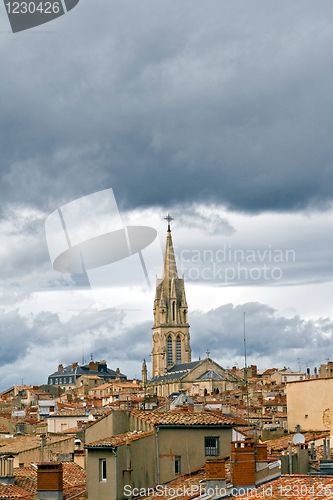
[171, 337]
[170, 266]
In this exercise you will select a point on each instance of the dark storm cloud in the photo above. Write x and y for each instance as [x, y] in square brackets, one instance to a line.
[210, 223]
[169, 101]
[269, 338]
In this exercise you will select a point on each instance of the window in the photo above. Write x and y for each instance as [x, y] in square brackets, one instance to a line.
[70, 380]
[177, 465]
[173, 311]
[179, 350]
[56, 381]
[169, 342]
[211, 446]
[102, 469]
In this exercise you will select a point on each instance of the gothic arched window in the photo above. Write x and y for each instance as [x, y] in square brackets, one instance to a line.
[179, 350]
[169, 345]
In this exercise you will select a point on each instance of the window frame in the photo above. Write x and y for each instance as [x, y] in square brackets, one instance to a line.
[210, 449]
[178, 350]
[102, 470]
[178, 464]
[169, 351]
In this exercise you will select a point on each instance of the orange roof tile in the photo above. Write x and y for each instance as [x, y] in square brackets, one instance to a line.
[115, 441]
[188, 418]
[28, 443]
[280, 444]
[301, 487]
[14, 491]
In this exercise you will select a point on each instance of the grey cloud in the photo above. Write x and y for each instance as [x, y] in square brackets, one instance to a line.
[278, 340]
[271, 340]
[210, 223]
[167, 101]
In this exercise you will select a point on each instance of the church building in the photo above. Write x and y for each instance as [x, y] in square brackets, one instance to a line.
[172, 367]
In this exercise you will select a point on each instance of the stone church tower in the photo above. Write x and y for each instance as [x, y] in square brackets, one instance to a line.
[171, 336]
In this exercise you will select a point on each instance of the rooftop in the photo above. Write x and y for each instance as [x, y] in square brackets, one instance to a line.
[115, 441]
[25, 488]
[299, 486]
[188, 418]
[28, 443]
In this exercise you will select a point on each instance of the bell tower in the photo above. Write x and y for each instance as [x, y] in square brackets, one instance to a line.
[171, 336]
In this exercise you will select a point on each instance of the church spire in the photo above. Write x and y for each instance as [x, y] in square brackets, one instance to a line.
[170, 266]
[171, 337]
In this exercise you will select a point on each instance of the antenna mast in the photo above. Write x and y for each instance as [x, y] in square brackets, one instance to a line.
[245, 376]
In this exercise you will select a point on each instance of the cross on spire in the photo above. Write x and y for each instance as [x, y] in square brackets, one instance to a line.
[169, 219]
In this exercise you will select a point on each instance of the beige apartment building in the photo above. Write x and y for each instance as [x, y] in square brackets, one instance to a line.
[155, 448]
[310, 404]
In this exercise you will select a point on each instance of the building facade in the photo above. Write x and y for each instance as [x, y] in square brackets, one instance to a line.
[66, 376]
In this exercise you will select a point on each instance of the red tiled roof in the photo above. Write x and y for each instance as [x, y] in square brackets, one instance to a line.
[182, 418]
[80, 412]
[121, 439]
[3, 429]
[14, 491]
[280, 444]
[28, 443]
[74, 480]
[301, 487]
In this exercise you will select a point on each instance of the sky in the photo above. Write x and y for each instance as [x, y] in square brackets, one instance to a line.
[219, 113]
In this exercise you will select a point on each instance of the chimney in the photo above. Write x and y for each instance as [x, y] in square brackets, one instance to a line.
[308, 373]
[93, 365]
[215, 473]
[60, 367]
[315, 372]
[254, 370]
[117, 374]
[74, 365]
[7, 470]
[49, 481]
[243, 463]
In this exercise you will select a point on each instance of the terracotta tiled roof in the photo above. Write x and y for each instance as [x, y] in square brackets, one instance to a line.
[74, 491]
[80, 412]
[73, 474]
[182, 484]
[14, 491]
[283, 442]
[26, 478]
[3, 429]
[280, 414]
[309, 488]
[118, 440]
[101, 387]
[73, 430]
[188, 418]
[28, 443]
[74, 480]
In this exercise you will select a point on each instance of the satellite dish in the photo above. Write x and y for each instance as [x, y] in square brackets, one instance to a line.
[298, 439]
